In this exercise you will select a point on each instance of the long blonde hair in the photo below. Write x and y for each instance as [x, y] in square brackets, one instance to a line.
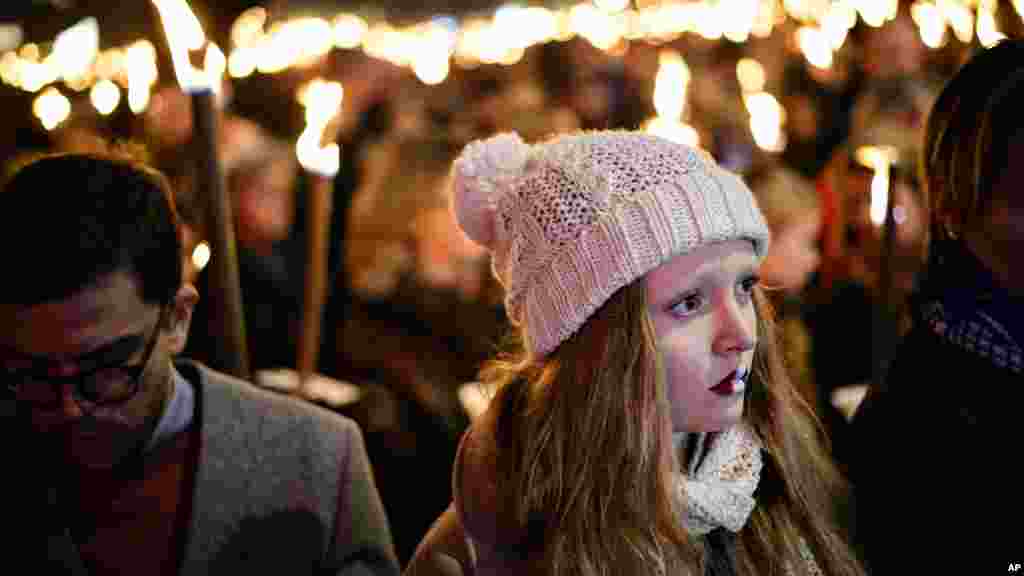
[583, 439]
[584, 449]
[800, 483]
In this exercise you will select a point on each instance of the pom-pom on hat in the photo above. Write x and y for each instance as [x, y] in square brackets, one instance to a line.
[570, 221]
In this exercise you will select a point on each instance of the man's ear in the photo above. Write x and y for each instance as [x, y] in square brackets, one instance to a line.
[180, 318]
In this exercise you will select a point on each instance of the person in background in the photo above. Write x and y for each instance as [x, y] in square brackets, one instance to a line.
[645, 423]
[954, 388]
[789, 203]
[422, 319]
[133, 462]
[860, 294]
[261, 176]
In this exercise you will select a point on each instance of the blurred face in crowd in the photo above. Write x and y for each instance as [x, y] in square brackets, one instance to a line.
[168, 118]
[261, 174]
[793, 256]
[446, 257]
[706, 329]
[93, 370]
[907, 210]
[265, 201]
[801, 116]
[894, 49]
[865, 238]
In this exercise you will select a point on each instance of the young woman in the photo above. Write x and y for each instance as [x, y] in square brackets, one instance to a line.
[645, 425]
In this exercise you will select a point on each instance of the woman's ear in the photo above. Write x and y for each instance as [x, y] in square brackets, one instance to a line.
[180, 318]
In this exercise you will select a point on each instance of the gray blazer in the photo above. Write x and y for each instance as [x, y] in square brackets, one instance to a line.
[282, 487]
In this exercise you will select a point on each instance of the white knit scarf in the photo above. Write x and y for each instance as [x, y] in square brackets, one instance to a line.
[722, 472]
[718, 486]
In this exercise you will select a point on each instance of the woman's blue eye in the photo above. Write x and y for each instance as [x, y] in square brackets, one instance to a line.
[688, 306]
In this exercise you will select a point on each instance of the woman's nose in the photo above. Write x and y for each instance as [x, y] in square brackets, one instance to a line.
[736, 327]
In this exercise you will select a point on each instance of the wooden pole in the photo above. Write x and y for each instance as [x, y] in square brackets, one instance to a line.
[322, 101]
[885, 325]
[227, 320]
[318, 218]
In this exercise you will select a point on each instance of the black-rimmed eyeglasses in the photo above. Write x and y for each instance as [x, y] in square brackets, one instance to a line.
[91, 388]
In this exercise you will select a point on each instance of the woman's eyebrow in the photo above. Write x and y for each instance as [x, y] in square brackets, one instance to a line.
[711, 275]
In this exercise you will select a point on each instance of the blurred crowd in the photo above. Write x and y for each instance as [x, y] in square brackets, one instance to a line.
[412, 309]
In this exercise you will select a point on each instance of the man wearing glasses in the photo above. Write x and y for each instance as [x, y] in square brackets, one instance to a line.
[124, 460]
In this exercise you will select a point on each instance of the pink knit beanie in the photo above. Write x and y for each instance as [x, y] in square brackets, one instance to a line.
[571, 220]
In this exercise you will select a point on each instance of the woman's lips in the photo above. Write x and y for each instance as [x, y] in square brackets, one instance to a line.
[733, 383]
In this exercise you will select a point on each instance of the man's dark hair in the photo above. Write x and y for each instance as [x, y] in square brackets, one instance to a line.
[67, 220]
[968, 136]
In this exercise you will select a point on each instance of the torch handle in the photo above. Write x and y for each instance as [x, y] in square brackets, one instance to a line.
[227, 321]
[318, 225]
[886, 329]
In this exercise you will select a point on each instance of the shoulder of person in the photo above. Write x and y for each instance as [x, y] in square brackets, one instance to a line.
[913, 363]
[272, 414]
[940, 375]
[265, 458]
[937, 401]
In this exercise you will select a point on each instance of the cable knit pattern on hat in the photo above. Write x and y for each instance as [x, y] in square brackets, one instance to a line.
[572, 220]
